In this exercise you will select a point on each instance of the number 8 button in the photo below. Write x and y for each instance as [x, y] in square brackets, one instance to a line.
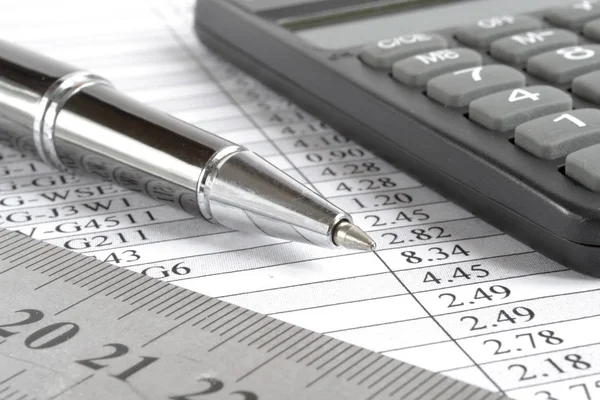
[564, 65]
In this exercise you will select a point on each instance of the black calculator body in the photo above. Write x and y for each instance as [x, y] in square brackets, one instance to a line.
[494, 103]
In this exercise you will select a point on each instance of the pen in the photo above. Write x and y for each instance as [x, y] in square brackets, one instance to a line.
[76, 120]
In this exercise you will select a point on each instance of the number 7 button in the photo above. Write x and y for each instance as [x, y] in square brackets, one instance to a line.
[458, 89]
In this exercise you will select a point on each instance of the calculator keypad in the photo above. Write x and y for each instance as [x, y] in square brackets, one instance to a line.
[557, 135]
[517, 49]
[588, 87]
[387, 51]
[563, 65]
[459, 88]
[482, 33]
[575, 15]
[418, 70]
[583, 166]
[560, 46]
[502, 112]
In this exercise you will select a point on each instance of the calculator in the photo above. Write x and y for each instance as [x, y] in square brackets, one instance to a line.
[493, 103]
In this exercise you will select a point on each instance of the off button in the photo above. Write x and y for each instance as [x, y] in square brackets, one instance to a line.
[386, 52]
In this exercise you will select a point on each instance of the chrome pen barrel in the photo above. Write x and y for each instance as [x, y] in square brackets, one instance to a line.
[77, 120]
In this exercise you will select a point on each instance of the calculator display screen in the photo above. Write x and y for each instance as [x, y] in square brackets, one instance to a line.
[353, 26]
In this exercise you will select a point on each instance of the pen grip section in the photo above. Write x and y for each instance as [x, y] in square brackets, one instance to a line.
[25, 77]
[114, 137]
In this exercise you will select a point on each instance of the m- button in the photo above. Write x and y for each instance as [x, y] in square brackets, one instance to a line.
[386, 52]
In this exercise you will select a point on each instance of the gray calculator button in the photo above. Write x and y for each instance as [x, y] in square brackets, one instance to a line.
[588, 86]
[384, 53]
[485, 31]
[563, 65]
[557, 135]
[591, 30]
[458, 89]
[503, 111]
[517, 49]
[417, 70]
[583, 166]
[574, 15]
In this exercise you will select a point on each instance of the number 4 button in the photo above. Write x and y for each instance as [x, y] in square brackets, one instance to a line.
[503, 111]
[560, 134]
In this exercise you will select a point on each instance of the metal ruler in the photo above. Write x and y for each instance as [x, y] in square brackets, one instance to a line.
[72, 327]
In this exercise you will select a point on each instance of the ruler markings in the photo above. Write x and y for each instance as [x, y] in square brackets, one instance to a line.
[21, 264]
[9, 395]
[279, 335]
[337, 355]
[355, 363]
[159, 311]
[269, 322]
[486, 396]
[271, 330]
[316, 339]
[285, 336]
[216, 303]
[393, 369]
[86, 262]
[462, 389]
[237, 333]
[277, 340]
[233, 309]
[74, 257]
[413, 380]
[96, 286]
[328, 351]
[177, 293]
[6, 380]
[366, 367]
[91, 295]
[212, 313]
[36, 254]
[49, 261]
[320, 346]
[189, 303]
[444, 389]
[430, 387]
[7, 254]
[208, 299]
[259, 366]
[141, 298]
[8, 245]
[103, 279]
[156, 296]
[2, 236]
[73, 386]
[244, 311]
[394, 379]
[155, 283]
[339, 364]
[161, 285]
[385, 364]
[127, 283]
[178, 325]
[78, 282]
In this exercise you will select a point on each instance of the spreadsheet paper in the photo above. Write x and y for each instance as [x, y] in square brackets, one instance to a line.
[444, 291]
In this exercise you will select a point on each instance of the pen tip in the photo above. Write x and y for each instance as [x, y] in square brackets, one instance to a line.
[350, 236]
